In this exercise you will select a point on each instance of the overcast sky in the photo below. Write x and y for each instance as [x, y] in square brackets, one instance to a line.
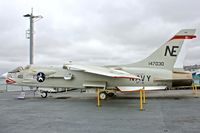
[100, 32]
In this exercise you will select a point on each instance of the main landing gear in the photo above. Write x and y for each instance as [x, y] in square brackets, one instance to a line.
[104, 95]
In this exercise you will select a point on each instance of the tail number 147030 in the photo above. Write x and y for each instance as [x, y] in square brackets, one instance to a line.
[156, 63]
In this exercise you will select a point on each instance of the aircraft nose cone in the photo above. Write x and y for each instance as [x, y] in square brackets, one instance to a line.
[5, 75]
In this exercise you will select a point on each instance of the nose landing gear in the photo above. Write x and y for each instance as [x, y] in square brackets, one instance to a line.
[43, 94]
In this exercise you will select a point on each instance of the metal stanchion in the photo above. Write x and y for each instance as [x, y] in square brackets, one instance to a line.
[196, 91]
[6, 88]
[98, 99]
[141, 100]
[193, 88]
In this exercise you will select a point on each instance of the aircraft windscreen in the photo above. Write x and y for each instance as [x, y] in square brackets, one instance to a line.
[18, 69]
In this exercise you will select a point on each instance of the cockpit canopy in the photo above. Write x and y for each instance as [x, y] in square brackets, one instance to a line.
[19, 69]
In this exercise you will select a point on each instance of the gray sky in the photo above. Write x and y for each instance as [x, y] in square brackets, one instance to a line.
[101, 32]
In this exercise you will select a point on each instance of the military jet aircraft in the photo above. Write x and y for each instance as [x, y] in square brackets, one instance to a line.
[153, 73]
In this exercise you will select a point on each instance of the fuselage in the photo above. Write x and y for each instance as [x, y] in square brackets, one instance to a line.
[81, 79]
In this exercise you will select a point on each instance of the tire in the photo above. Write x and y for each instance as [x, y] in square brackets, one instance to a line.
[111, 94]
[103, 95]
[44, 94]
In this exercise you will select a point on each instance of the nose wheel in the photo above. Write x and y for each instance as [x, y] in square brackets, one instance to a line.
[43, 94]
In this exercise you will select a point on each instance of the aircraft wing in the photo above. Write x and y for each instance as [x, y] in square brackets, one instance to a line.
[101, 71]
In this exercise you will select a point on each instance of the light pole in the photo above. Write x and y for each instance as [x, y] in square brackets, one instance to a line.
[31, 33]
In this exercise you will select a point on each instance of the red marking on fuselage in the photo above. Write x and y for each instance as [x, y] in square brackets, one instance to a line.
[10, 81]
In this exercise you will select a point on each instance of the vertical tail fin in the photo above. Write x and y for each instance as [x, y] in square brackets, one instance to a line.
[165, 56]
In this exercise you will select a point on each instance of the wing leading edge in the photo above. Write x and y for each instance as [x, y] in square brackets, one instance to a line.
[101, 71]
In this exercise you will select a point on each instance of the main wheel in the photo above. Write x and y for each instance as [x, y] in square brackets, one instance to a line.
[43, 94]
[111, 94]
[103, 95]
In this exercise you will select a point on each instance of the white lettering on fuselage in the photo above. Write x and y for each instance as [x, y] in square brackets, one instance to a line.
[142, 79]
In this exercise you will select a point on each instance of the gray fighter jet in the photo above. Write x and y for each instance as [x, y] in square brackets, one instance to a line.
[153, 73]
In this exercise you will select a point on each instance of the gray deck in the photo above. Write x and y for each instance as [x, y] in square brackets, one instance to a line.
[166, 111]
